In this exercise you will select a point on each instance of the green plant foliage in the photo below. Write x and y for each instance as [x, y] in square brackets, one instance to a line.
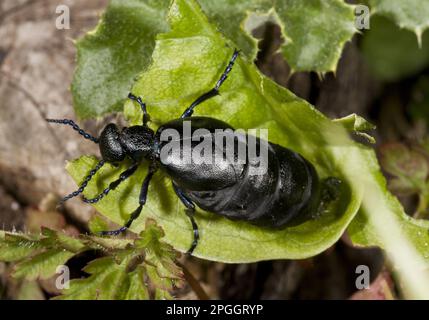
[187, 61]
[30, 290]
[15, 247]
[121, 45]
[418, 107]
[122, 274]
[357, 125]
[383, 48]
[412, 14]
[110, 56]
[409, 168]
[314, 31]
[131, 269]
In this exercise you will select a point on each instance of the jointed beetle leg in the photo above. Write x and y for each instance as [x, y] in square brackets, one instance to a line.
[190, 212]
[142, 201]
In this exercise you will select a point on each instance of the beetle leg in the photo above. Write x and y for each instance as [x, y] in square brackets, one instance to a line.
[75, 127]
[84, 184]
[112, 186]
[142, 200]
[213, 92]
[142, 106]
[190, 212]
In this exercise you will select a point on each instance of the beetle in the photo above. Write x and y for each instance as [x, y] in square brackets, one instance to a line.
[289, 189]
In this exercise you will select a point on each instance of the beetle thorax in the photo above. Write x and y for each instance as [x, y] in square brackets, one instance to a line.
[135, 142]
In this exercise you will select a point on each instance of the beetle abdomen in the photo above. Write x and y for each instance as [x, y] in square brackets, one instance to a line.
[289, 188]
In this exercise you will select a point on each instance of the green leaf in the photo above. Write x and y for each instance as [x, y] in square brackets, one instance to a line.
[382, 222]
[418, 107]
[412, 15]
[354, 122]
[42, 265]
[363, 232]
[357, 124]
[121, 274]
[104, 283]
[131, 272]
[14, 247]
[30, 290]
[110, 56]
[383, 48]
[409, 167]
[120, 47]
[187, 62]
[61, 240]
[314, 31]
[137, 289]
[97, 224]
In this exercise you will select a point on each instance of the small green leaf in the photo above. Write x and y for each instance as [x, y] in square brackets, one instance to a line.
[110, 56]
[314, 31]
[97, 224]
[364, 233]
[127, 272]
[354, 122]
[409, 167]
[137, 289]
[42, 265]
[419, 105]
[61, 240]
[103, 283]
[103, 243]
[30, 290]
[357, 124]
[412, 15]
[121, 274]
[120, 47]
[383, 48]
[14, 247]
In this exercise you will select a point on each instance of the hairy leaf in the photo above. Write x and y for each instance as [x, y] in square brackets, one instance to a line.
[130, 273]
[120, 47]
[42, 265]
[121, 274]
[356, 124]
[409, 167]
[383, 48]
[412, 14]
[15, 247]
[314, 31]
[110, 56]
[104, 282]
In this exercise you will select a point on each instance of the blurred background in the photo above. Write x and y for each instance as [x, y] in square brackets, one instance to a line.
[382, 76]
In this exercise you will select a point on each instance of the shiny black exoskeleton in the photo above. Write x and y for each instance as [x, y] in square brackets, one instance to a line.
[289, 188]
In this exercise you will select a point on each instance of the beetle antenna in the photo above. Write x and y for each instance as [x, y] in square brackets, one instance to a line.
[139, 100]
[215, 91]
[75, 127]
[84, 184]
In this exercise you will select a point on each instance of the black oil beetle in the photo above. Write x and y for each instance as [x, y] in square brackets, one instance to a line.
[289, 188]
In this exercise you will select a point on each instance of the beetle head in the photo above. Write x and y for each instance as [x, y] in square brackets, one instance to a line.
[110, 147]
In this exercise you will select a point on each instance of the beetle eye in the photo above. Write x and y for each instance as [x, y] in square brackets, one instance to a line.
[110, 147]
